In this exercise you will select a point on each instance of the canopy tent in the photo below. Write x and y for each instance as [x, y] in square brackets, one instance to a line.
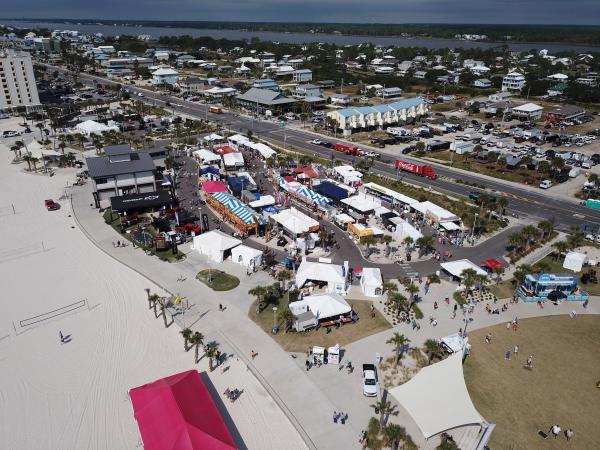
[295, 222]
[450, 226]
[178, 413]
[371, 282]
[362, 203]
[206, 156]
[210, 187]
[213, 137]
[361, 231]
[246, 256]
[204, 170]
[574, 261]
[238, 139]
[343, 218]
[348, 174]
[388, 194]
[90, 127]
[437, 398]
[264, 200]
[435, 212]
[233, 160]
[456, 268]
[215, 244]
[492, 264]
[323, 306]
[332, 274]
[265, 151]
[37, 150]
[236, 207]
[405, 229]
[308, 195]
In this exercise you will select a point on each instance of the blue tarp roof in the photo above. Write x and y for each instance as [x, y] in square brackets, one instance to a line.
[331, 190]
[209, 169]
[238, 184]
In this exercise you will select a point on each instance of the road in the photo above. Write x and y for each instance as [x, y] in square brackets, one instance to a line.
[526, 203]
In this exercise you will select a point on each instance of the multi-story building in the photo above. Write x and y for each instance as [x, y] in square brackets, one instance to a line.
[17, 81]
[513, 81]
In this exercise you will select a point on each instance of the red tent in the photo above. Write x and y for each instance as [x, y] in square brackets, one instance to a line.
[492, 264]
[178, 413]
[222, 150]
[211, 186]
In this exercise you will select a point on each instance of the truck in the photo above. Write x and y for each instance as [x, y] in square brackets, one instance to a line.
[215, 110]
[348, 149]
[421, 170]
[369, 380]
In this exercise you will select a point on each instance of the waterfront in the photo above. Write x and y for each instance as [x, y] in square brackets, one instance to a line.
[295, 38]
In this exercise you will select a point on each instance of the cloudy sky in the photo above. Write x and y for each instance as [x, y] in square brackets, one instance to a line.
[390, 11]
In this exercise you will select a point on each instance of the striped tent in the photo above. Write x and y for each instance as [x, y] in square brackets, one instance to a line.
[314, 197]
[281, 180]
[236, 207]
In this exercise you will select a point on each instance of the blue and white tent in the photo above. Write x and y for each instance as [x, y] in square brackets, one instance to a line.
[245, 213]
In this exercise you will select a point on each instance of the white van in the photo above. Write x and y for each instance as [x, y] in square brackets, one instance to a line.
[546, 184]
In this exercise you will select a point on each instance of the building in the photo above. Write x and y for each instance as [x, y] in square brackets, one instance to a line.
[564, 112]
[307, 90]
[164, 76]
[17, 81]
[528, 111]
[266, 83]
[501, 97]
[482, 83]
[121, 172]
[302, 75]
[389, 92]
[191, 85]
[341, 99]
[350, 120]
[384, 70]
[262, 100]
[513, 81]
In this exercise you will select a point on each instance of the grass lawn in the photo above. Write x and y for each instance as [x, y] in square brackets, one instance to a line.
[503, 290]
[299, 342]
[560, 389]
[221, 281]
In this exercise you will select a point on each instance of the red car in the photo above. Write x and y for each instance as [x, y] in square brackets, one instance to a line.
[51, 205]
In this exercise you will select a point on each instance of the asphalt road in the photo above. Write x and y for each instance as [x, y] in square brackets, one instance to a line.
[523, 202]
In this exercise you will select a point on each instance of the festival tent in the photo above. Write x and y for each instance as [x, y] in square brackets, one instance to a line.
[332, 274]
[492, 264]
[437, 398]
[236, 207]
[295, 222]
[311, 196]
[246, 256]
[323, 306]
[213, 137]
[178, 413]
[435, 212]
[364, 204]
[404, 230]
[265, 151]
[238, 139]
[233, 160]
[264, 200]
[456, 268]
[90, 127]
[574, 261]
[371, 282]
[211, 186]
[215, 244]
[348, 174]
[206, 156]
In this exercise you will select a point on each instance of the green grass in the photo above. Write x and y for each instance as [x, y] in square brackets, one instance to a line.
[503, 290]
[220, 281]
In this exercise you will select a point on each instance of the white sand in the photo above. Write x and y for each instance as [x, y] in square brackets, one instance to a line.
[74, 396]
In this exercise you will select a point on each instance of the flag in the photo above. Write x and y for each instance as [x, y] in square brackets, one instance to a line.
[177, 300]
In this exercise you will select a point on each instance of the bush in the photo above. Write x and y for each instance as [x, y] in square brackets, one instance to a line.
[434, 278]
[417, 311]
[458, 298]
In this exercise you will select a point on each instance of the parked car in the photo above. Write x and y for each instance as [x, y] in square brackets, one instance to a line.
[316, 142]
[51, 205]
[10, 133]
[369, 380]
[546, 184]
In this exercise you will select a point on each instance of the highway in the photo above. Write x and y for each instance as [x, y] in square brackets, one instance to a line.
[524, 202]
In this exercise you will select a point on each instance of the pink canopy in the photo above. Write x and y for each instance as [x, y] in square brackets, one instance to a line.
[211, 186]
[178, 413]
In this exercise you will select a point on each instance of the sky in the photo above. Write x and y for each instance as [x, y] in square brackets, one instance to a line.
[576, 12]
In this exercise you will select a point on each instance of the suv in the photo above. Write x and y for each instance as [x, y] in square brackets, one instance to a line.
[51, 205]
[10, 133]
[369, 380]
[546, 184]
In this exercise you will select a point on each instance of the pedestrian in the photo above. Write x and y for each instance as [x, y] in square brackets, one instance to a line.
[118, 243]
[114, 245]
[220, 307]
[133, 242]
[516, 350]
[253, 354]
[62, 338]
[529, 363]
[447, 300]
[455, 307]
[335, 417]
[488, 338]
[435, 305]
[569, 434]
[307, 364]
[507, 355]
[555, 430]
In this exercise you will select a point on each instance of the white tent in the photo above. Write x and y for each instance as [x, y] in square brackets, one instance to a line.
[437, 398]
[37, 150]
[371, 282]
[206, 156]
[265, 151]
[233, 160]
[213, 137]
[323, 306]
[362, 203]
[264, 200]
[215, 244]
[332, 274]
[238, 139]
[435, 212]
[456, 268]
[246, 256]
[294, 221]
[348, 173]
[574, 261]
[404, 230]
[90, 127]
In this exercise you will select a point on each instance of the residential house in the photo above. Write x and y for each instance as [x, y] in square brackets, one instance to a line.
[557, 90]
[389, 92]
[419, 74]
[470, 63]
[341, 99]
[191, 85]
[482, 83]
[501, 97]
[266, 83]
[513, 81]
[165, 76]
[307, 90]
[384, 70]
[262, 100]
[528, 111]
[302, 75]
[326, 83]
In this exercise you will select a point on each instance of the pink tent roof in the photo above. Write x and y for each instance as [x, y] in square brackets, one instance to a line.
[178, 413]
[212, 186]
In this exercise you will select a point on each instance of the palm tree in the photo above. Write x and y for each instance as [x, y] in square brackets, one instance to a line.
[399, 342]
[147, 290]
[561, 247]
[287, 317]
[498, 274]
[432, 349]
[502, 204]
[385, 409]
[394, 434]
[389, 288]
[27, 159]
[211, 353]
[547, 228]
[259, 292]
[426, 244]
[412, 289]
[40, 126]
[187, 334]
[408, 242]
[387, 239]
[576, 237]
[15, 149]
[34, 161]
[197, 340]
[367, 241]
[163, 310]
[469, 277]
[283, 276]
[154, 299]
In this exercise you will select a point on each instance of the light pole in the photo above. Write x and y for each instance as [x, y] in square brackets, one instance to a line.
[274, 317]
[473, 229]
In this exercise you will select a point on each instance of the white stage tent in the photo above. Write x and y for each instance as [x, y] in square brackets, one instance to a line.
[264, 200]
[265, 151]
[213, 137]
[349, 174]
[435, 212]
[456, 268]
[371, 282]
[574, 261]
[215, 244]
[246, 256]
[206, 156]
[90, 127]
[294, 221]
[233, 160]
[437, 398]
[362, 203]
[404, 230]
[323, 306]
[332, 274]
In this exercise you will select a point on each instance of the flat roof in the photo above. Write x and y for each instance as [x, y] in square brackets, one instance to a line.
[100, 166]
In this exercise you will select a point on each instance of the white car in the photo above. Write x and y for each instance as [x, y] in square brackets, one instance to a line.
[11, 133]
[369, 380]
[316, 142]
[140, 94]
[546, 184]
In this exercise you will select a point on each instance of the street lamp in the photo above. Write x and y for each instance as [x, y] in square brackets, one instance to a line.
[274, 318]
[473, 229]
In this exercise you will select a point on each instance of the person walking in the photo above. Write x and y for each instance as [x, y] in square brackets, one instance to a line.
[555, 430]
[569, 434]
[516, 350]
[335, 417]
[488, 338]
[62, 338]
[507, 355]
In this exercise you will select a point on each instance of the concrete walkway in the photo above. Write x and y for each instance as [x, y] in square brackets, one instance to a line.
[307, 407]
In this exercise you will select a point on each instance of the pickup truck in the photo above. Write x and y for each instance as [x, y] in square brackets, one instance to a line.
[369, 380]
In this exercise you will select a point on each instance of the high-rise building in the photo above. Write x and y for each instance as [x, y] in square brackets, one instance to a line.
[17, 81]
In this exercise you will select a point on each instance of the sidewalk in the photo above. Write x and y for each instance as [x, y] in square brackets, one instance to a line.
[308, 408]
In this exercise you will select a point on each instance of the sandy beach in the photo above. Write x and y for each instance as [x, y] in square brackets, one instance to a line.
[75, 395]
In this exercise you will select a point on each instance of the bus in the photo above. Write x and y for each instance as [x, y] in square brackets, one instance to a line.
[215, 110]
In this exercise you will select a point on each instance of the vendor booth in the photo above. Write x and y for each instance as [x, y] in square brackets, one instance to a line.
[456, 268]
[362, 203]
[232, 210]
[295, 222]
[212, 187]
[404, 229]
[435, 213]
[360, 230]
[343, 220]
[371, 282]
[574, 261]
[206, 156]
[215, 244]
[246, 256]
[323, 306]
[304, 194]
[554, 286]
[491, 264]
[233, 161]
[305, 321]
[330, 274]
